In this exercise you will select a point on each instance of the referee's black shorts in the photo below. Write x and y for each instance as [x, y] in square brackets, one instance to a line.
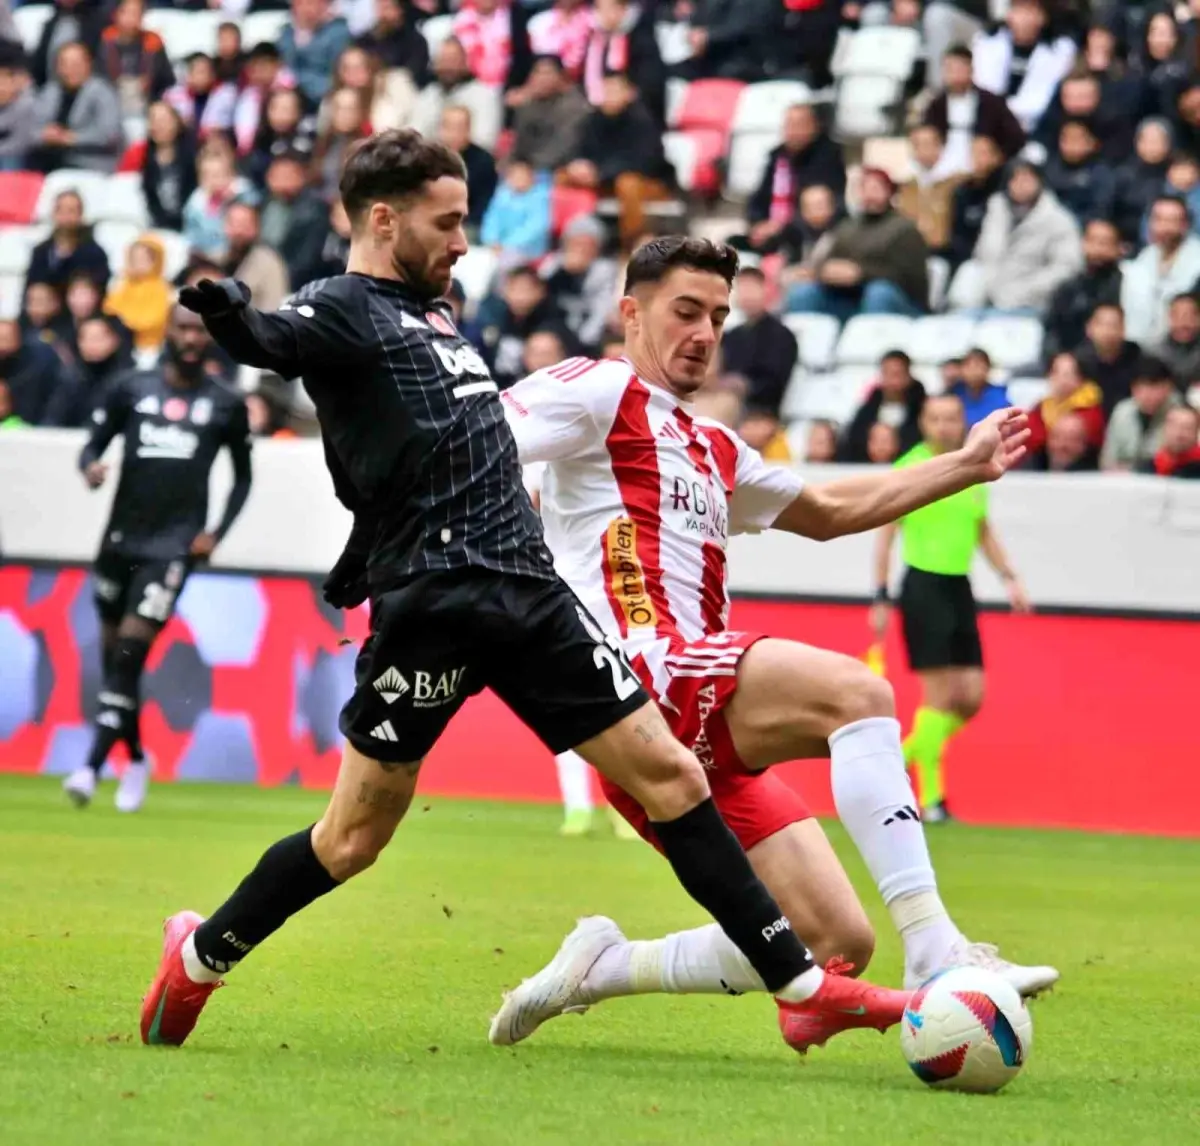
[443, 637]
[941, 621]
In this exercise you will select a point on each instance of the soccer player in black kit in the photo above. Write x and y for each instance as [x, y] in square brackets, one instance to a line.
[174, 419]
[463, 594]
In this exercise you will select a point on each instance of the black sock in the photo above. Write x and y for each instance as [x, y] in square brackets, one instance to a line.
[117, 718]
[287, 879]
[713, 869]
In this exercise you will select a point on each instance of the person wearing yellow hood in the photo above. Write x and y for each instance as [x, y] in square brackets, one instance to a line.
[141, 298]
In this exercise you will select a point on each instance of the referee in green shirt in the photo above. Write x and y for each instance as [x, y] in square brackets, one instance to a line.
[937, 607]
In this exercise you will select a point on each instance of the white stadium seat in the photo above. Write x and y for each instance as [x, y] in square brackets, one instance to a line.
[673, 43]
[435, 30]
[124, 201]
[92, 187]
[865, 106]
[10, 295]
[747, 155]
[761, 106]
[817, 335]
[835, 395]
[115, 239]
[184, 32]
[676, 93]
[1011, 342]
[866, 338]
[1025, 393]
[881, 51]
[30, 20]
[475, 270]
[929, 374]
[940, 336]
[680, 150]
[262, 28]
[16, 245]
[175, 250]
[938, 270]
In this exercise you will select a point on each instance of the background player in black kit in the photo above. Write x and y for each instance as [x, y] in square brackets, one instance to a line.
[174, 420]
[463, 593]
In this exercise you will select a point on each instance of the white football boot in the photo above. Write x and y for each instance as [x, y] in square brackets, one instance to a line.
[548, 994]
[80, 786]
[131, 791]
[1029, 982]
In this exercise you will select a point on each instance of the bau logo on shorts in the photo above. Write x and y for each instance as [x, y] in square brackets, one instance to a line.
[426, 690]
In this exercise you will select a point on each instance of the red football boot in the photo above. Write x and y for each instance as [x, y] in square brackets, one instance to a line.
[840, 1004]
[174, 1002]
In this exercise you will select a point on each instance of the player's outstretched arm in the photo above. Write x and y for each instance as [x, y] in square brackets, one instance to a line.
[237, 442]
[108, 421]
[867, 501]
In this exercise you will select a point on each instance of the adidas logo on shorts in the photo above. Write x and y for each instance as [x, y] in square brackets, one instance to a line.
[384, 731]
[391, 685]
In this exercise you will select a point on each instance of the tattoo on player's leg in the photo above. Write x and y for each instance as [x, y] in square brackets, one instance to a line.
[650, 729]
[383, 798]
[409, 769]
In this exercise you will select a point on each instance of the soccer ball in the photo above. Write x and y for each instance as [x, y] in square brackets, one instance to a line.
[966, 1029]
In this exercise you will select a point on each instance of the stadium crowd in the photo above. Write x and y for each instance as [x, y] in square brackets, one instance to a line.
[997, 199]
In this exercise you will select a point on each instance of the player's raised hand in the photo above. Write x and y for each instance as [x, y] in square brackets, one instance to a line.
[212, 299]
[94, 474]
[997, 444]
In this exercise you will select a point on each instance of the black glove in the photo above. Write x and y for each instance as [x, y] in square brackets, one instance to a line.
[214, 299]
[346, 585]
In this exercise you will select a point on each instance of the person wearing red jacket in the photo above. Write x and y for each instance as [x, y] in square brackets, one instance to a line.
[1070, 392]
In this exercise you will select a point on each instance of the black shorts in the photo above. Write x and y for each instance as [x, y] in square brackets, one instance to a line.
[130, 586]
[941, 621]
[446, 636]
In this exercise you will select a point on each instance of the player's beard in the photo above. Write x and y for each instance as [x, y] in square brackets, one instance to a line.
[411, 263]
[189, 370]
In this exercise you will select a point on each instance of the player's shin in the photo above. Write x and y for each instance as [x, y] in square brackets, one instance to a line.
[875, 803]
[118, 701]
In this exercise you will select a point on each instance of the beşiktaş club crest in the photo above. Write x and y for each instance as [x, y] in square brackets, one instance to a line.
[175, 409]
[441, 323]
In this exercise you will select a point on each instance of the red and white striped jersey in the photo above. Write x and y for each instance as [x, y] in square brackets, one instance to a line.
[639, 497]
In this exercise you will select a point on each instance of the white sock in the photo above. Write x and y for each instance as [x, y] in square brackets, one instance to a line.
[875, 802]
[194, 965]
[574, 782]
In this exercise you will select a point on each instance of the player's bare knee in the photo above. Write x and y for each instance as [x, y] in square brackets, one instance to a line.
[856, 693]
[852, 941]
[671, 784]
[348, 852]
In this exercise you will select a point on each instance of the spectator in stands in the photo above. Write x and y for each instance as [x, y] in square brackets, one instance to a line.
[1107, 112]
[205, 103]
[543, 349]
[72, 21]
[1028, 247]
[883, 444]
[623, 41]
[945, 26]
[979, 395]
[562, 31]
[295, 220]
[896, 400]
[821, 443]
[968, 206]
[455, 133]
[1169, 265]
[582, 282]
[70, 247]
[9, 420]
[310, 45]
[347, 124]
[621, 153]
[32, 372]
[264, 74]
[1140, 179]
[84, 300]
[1068, 449]
[1070, 395]
[43, 319]
[336, 251]
[268, 414]
[386, 97]
[1161, 66]
[760, 354]
[516, 224]
[927, 197]
[485, 30]
[1179, 455]
[76, 117]
[1180, 350]
[963, 110]
[1098, 284]
[804, 240]
[16, 108]
[875, 263]
[1107, 356]
[1187, 117]
[1078, 176]
[807, 157]
[506, 322]
[251, 261]
[549, 122]
[396, 41]
[134, 59]
[141, 298]
[729, 38]
[230, 57]
[285, 129]
[1135, 429]
[454, 86]
[804, 37]
[219, 184]
[168, 168]
[102, 356]
[1183, 181]
[1023, 62]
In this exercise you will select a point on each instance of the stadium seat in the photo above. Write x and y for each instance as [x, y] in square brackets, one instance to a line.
[938, 271]
[435, 30]
[835, 395]
[176, 251]
[1011, 342]
[475, 270]
[19, 195]
[817, 335]
[92, 187]
[673, 43]
[747, 155]
[30, 20]
[881, 51]
[115, 239]
[16, 245]
[567, 203]
[940, 336]
[709, 104]
[184, 32]
[1025, 393]
[681, 152]
[124, 201]
[760, 107]
[676, 94]
[706, 148]
[865, 106]
[262, 28]
[929, 374]
[10, 295]
[866, 338]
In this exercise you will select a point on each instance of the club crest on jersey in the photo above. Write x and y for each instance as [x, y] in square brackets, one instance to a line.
[441, 323]
[175, 409]
[202, 411]
[626, 577]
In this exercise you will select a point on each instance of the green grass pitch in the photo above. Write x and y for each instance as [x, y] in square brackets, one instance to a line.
[365, 1020]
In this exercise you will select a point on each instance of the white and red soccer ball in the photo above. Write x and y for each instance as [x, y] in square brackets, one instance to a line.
[966, 1029]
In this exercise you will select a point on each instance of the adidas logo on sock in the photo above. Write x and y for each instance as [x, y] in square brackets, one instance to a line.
[384, 731]
[906, 812]
[391, 685]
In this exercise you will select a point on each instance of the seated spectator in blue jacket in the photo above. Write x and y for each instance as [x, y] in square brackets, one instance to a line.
[69, 249]
[1077, 174]
[974, 388]
[516, 224]
[310, 44]
[1183, 180]
[34, 374]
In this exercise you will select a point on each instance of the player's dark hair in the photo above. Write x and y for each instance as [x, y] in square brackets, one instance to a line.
[652, 262]
[394, 165]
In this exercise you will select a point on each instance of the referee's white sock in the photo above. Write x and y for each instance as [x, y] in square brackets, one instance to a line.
[574, 782]
[876, 804]
[702, 961]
